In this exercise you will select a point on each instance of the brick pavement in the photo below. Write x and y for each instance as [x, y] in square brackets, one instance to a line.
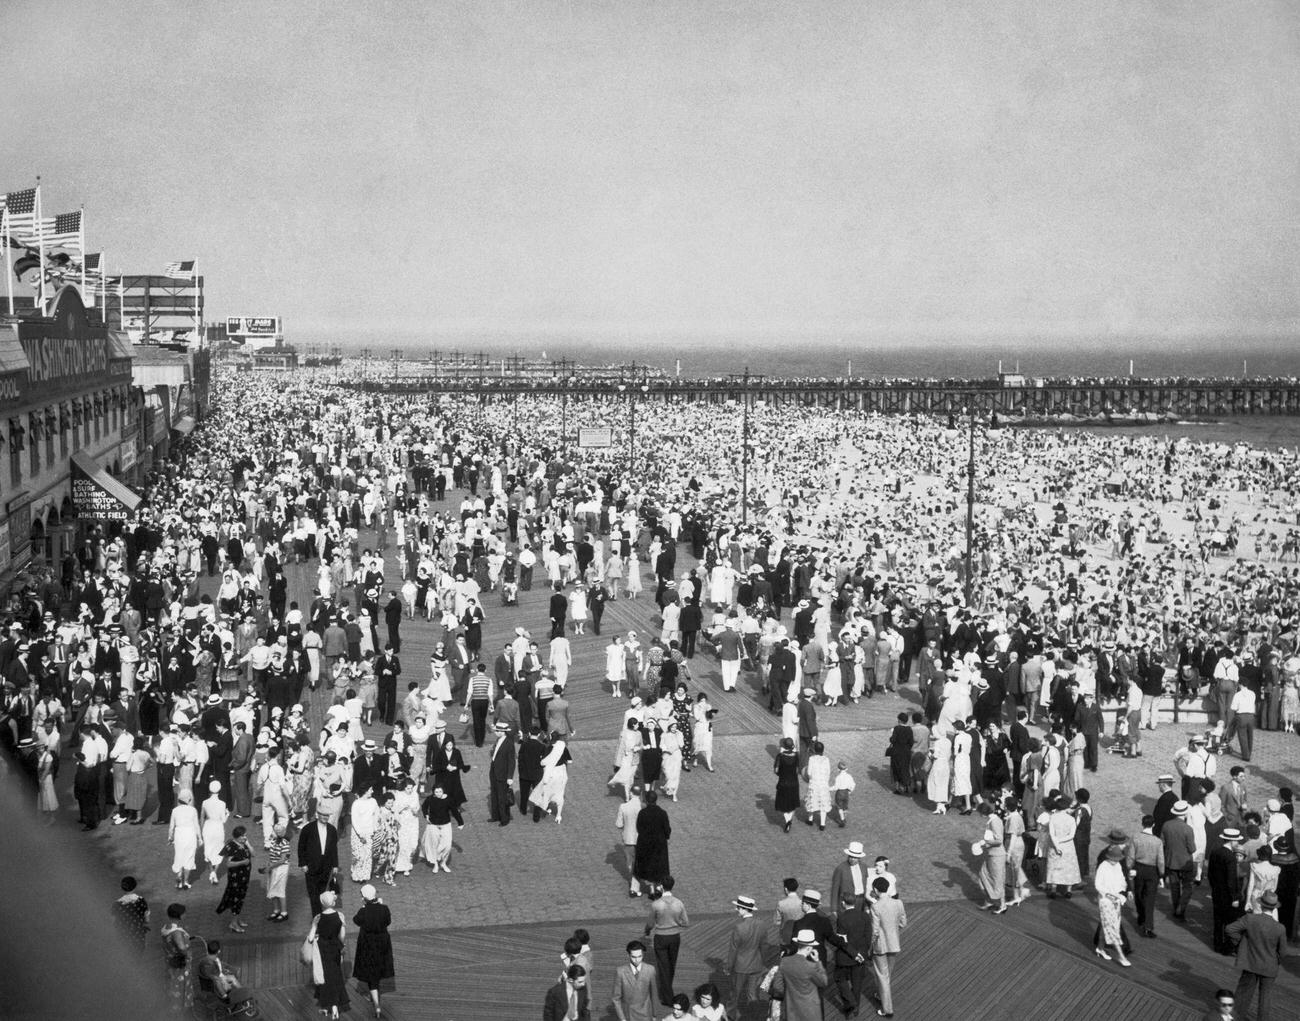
[726, 839]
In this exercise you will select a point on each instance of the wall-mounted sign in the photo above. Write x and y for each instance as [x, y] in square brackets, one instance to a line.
[58, 359]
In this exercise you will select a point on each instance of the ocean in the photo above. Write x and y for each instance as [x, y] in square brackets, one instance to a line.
[717, 356]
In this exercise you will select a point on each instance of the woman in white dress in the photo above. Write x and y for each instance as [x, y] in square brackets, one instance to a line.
[703, 712]
[936, 782]
[406, 804]
[961, 767]
[184, 835]
[578, 609]
[1061, 858]
[555, 778]
[613, 574]
[632, 573]
[671, 746]
[214, 816]
[817, 796]
[625, 757]
[275, 795]
[615, 666]
[439, 687]
[364, 816]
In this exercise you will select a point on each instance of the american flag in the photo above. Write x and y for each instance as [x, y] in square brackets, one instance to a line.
[180, 270]
[94, 269]
[19, 208]
[63, 231]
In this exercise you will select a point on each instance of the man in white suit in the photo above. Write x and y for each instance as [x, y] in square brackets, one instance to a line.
[888, 920]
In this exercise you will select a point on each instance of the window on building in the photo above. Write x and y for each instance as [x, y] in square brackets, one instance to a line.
[34, 444]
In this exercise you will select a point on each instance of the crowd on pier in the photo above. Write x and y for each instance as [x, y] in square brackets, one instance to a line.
[227, 666]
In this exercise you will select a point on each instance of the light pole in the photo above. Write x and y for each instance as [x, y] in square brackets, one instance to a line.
[631, 435]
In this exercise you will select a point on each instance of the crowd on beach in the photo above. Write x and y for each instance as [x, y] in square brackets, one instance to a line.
[229, 660]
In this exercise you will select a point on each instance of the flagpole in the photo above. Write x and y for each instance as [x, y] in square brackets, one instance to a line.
[40, 244]
[81, 222]
[103, 285]
[9, 264]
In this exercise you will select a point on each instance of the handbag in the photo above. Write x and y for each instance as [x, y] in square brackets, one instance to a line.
[464, 717]
[307, 951]
[510, 797]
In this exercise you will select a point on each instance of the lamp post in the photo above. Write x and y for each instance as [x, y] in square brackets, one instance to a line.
[564, 418]
[745, 381]
[631, 435]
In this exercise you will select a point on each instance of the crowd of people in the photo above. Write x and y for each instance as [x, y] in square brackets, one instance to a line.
[268, 710]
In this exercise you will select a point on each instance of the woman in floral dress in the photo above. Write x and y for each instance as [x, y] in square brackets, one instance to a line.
[406, 806]
[684, 713]
[384, 840]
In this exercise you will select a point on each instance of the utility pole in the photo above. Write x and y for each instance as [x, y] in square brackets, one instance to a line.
[397, 355]
[365, 365]
[745, 381]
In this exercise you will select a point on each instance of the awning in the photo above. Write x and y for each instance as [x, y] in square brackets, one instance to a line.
[184, 425]
[97, 494]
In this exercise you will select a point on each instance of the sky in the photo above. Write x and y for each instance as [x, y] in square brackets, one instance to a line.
[898, 169]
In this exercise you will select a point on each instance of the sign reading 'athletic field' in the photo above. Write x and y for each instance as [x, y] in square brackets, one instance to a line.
[595, 437]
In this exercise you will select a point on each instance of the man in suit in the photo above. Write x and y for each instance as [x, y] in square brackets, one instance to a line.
[318, 857]
[1234, 798]
[1019, 738]
[559, 610]
[780, 674]
[744, 960]
[1261, 944]
[807, 727]
[531, 753]
[435, 756]
[388, 668]
[850, 878]
[370, 770]
[1180, 847]
[393, 618]
[888, 920]
[501, 775]
[241, 768]
[853, 923]
[567, 1000]
[1225, 885]
[801, 977]
[634, 986]
[1164, 807]
[814, 921]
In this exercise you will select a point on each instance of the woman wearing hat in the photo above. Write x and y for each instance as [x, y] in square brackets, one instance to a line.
[214, 815]
[184, 834]
[373, 966]
[1112, 892]
[330, 937]
[786, 768]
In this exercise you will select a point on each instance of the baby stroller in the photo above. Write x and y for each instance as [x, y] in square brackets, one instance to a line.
[216, 997]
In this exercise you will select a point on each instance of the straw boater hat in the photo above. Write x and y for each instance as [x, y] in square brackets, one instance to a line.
[1180, 807]
[808, 938]
[812, 896]
[745, 903]
[855, 850]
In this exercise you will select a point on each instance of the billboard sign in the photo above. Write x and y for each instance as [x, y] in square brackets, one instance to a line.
[596, 438]
[252, 326]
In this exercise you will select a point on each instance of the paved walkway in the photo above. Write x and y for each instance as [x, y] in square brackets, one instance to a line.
[484, 941]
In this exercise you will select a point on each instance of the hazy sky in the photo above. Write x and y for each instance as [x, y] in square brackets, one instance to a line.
[902, 168]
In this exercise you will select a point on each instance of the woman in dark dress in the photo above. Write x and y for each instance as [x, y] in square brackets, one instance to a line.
[684, 713]
[449, 778]
[900, 755]
[238, 856]
[373, 966]
[786, 768]
[332, 993]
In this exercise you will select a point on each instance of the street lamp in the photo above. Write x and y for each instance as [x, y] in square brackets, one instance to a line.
[745, 380]
[631, 435]
[970, 496]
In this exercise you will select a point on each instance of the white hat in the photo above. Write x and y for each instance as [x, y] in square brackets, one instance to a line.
[855, 850]
[368, 892]
[806, 938]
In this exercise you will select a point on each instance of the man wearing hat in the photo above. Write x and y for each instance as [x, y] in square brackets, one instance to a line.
[820, 925]
[850, 878]
[744, 960]
[501, 774]
[800, 978]
[1225, 885]
[807, 713]
[1165, 801]
[1260, 940]
[1195, 762]
[1180, 847]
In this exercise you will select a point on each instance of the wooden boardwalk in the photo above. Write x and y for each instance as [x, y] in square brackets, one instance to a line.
[1037, 962]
